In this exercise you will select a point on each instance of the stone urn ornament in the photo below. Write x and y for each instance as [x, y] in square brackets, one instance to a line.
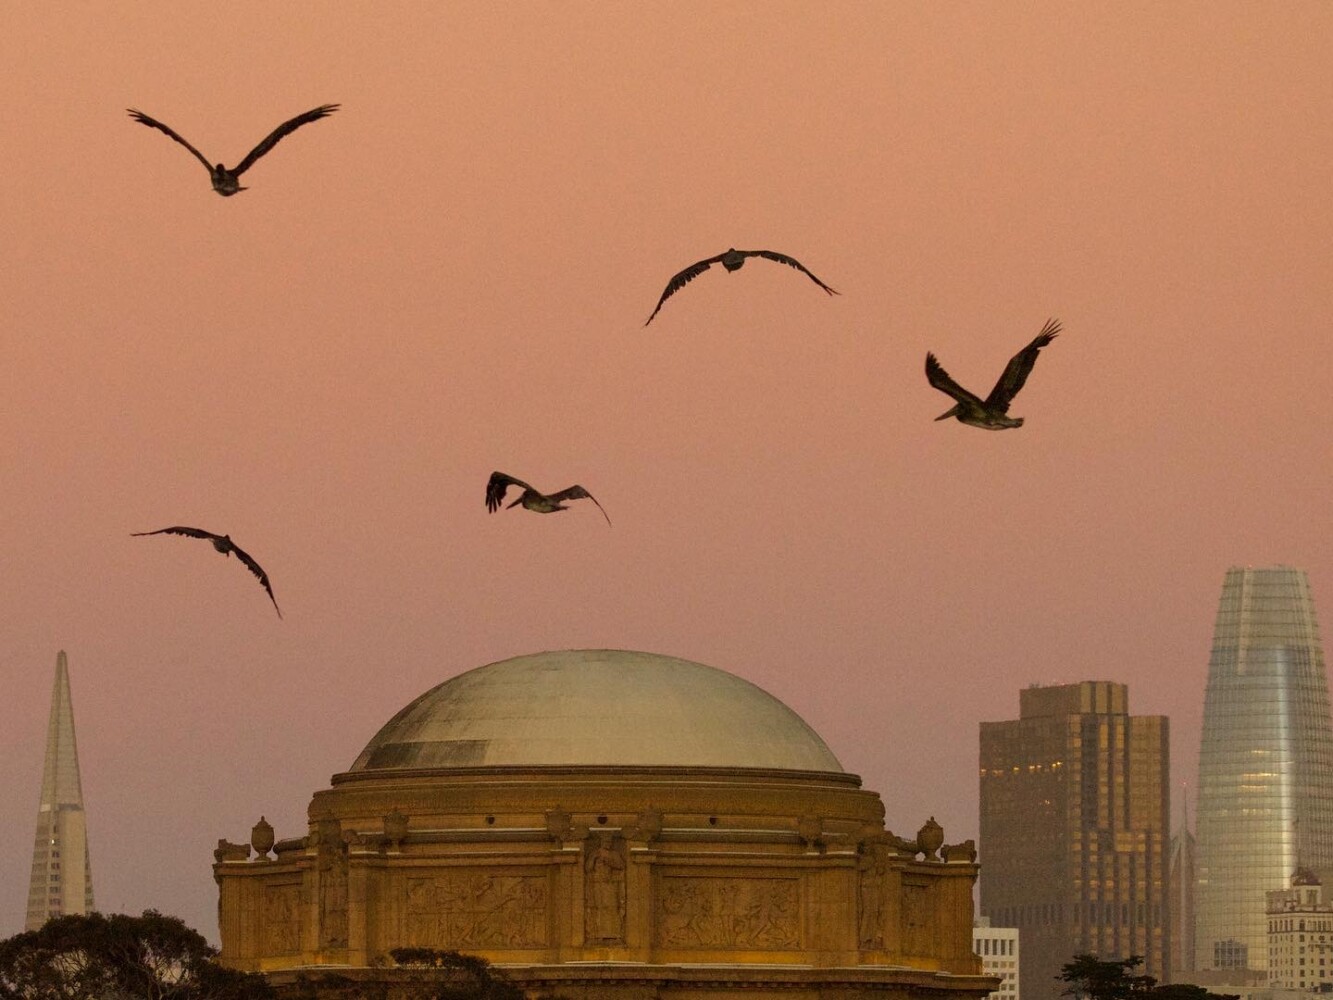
[261, 838]
[930, 838]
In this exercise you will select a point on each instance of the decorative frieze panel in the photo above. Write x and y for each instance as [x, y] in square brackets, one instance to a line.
[466, 909]
[282, 919]
[729, 913]
[918, 915]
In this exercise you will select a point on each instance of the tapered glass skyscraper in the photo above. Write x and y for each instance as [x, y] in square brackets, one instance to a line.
[1265, 763]
[62, 880]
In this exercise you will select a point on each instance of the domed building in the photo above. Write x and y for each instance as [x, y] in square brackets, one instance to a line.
[609, 823]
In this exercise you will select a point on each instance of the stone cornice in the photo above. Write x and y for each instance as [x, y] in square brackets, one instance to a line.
[616, 772]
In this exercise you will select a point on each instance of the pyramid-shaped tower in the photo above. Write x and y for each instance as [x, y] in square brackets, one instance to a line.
[62, 880]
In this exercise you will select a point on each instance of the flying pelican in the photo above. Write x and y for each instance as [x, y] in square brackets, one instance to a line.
[732, 260]
[226, 546]
[993, 413]
[227, 182]
[542, 503]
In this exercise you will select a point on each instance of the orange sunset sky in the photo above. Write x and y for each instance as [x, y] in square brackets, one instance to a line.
[450, 276]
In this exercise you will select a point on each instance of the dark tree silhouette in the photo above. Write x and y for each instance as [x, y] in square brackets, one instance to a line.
[1091, 978]
[1188, 991]
[119, 957]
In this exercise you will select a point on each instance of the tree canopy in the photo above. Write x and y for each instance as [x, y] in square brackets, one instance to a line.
[1091, 978]
[119, 957]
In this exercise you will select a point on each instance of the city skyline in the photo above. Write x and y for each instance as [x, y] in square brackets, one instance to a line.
[450, 275]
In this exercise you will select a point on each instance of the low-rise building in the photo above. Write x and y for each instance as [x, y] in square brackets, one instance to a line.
[997, 948]
[1300, 935]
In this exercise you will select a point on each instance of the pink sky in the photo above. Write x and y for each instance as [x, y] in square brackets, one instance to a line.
[449, 276]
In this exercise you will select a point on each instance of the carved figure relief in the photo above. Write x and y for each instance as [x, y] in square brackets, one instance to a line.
[965, 852]
[728, 913]
[558, 824]
[333, 896]
[647, 826]
[282, 922]
[461, 909]
[604, 891]
[870, 922]
[227, 851]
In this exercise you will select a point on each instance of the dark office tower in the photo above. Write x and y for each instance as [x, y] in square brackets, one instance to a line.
[62, 881]
[1265, 763]
[1074, 830]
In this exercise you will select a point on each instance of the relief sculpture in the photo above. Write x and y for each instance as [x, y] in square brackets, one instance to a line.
[333, 898]
[282, 927]
[466, 909]
[331, 871]
[729, 913]
[870, 923]
[604, 891]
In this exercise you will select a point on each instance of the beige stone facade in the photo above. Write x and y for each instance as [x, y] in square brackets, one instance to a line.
[635, 879]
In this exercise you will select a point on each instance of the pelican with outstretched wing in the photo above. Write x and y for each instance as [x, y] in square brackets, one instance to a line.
[227, 182]
[542, 503]
[732, 260]
[226, 546]
[992, 413]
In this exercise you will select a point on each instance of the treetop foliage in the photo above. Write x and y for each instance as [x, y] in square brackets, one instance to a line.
[1091, 978]
[119, 957]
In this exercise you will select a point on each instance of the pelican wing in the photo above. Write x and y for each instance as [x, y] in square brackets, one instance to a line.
[496, 486]
[782, 258]
[259, 573]
[1019, 367]
[579, 493]
[682, 279]
[940, 379]
[143, 119]
[179, 530]
[284, 129]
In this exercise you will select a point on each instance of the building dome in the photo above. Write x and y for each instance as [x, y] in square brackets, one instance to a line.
[596, 707]
[603, 823]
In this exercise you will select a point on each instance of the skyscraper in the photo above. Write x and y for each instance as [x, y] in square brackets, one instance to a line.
[1074, 829]
[1182, 901]
[1265, 763]
[62, 880]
